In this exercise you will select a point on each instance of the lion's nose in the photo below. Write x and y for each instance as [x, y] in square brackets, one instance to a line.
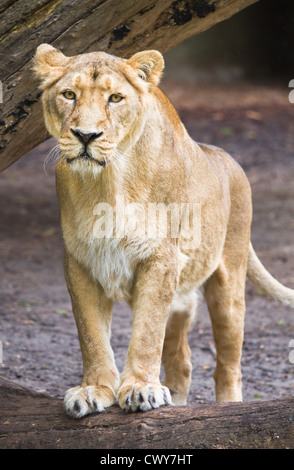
[86, 137]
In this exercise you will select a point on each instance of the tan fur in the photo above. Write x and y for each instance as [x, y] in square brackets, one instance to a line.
[144, 154]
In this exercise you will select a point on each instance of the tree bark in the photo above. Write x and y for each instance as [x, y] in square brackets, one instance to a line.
[30, 420]
[114, 26]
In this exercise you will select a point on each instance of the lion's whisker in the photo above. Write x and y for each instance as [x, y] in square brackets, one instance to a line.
[51, 157]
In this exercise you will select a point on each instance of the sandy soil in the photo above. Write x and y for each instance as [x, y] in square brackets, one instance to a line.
[38, 333]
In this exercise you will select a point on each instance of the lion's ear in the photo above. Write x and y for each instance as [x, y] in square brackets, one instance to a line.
[149, 65]
[49, 64]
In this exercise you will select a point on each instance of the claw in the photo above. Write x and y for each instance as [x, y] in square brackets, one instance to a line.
[144, 398]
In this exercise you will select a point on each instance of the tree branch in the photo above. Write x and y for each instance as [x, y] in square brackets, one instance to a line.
[113, 26]
[32, 420]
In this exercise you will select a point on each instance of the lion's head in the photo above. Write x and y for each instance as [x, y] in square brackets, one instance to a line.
[94, 104]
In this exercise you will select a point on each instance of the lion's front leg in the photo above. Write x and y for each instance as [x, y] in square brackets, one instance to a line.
[92, 311]
[140, 388]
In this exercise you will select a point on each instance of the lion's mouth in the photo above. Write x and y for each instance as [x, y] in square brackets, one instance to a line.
[86, 156]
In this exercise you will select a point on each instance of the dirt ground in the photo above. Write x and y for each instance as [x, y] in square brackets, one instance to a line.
[255, 123]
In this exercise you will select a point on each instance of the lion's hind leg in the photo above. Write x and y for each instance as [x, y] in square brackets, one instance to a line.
[176, 356]
[224, 293]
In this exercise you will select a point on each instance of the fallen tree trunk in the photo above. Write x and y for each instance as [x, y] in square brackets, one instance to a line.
[32, 420]
[114, 26]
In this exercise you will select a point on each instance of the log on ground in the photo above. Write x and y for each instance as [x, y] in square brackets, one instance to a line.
[31, 420]
[114, 26]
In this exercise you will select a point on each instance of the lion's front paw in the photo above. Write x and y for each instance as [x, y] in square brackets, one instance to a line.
[143, 397]
[81, 401]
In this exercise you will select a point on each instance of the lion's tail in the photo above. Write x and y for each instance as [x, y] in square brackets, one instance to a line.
[257, 274]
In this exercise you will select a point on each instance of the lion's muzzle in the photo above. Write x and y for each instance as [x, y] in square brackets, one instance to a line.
[86, 138]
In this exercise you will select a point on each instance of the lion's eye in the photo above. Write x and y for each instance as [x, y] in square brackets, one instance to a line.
[115, 98]
[69, 95]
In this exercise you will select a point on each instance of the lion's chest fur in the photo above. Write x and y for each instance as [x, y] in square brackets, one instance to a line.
[109, 263]
[110, 260]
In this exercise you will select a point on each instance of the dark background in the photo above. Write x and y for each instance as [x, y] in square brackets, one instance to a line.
[257, 43]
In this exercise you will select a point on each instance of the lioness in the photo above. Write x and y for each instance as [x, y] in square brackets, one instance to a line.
[119, 135]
